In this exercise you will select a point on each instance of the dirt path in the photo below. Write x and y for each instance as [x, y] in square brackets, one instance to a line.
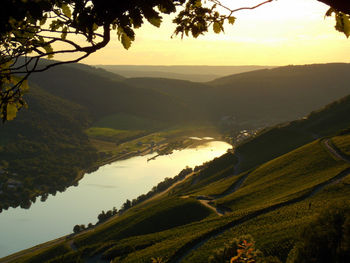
[218, 211]
[168, 189]
[186, 249]
[335, 151]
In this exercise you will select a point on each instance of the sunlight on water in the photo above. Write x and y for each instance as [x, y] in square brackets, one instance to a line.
[103, 189]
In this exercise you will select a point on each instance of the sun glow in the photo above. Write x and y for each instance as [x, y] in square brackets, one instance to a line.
[277, 33]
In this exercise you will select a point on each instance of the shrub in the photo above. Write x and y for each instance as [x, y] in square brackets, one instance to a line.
[327, 239]
[241, 250]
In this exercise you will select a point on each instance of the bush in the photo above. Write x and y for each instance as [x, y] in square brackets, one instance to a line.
[325, 240]
[241, 250]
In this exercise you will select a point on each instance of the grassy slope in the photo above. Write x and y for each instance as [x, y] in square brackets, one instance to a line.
[161, 227]
[276, 232]
[275, 141]
[342, 143]
[284, 177]
[297, 181]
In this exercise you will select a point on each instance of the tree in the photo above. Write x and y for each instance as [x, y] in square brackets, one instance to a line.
[76, 229]
[32, 29]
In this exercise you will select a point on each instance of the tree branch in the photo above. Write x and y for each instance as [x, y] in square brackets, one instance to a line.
[339, 5]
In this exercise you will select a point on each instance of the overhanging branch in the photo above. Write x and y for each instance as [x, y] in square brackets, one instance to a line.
[339, 5]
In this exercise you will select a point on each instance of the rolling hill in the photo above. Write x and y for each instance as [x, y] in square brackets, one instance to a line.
[273, 204]
[252, 99]
[272, 201]
[103, 96]
[191, 73]
[280, 94]
[266, 97]
[271, 187]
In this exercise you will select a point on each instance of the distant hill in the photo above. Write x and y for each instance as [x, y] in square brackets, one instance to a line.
[191, 73]
[281, 93]
[263, 97]
[251, 99]
[103, 95]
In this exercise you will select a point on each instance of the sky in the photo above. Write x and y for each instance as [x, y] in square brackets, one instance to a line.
[282, 32]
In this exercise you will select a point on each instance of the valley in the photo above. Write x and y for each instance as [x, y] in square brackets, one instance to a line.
[289, 161]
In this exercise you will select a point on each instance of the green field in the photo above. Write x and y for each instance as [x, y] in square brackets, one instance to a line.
[342, 143]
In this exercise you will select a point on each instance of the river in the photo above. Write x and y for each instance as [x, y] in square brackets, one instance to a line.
[103, 189]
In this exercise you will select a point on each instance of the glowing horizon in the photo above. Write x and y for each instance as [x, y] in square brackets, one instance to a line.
[279, 33]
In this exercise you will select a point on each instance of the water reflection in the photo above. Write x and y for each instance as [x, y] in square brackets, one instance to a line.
[107, 187]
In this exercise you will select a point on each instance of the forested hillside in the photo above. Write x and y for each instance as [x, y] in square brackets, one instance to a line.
[280, 94]
[103, 95]
[251, 99]
[44, 149]
[262, 97]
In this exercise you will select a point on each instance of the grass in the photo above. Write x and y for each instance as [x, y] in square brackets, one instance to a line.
[284, 177]
[219, 187]
[152, 217]
[46, 254]
[303, 168]
[122, 121]
[276, 232]
[217, 169]
[342, 143]
[118, 142]
[281, 139]
[113, 135]
[270, 144]
[162, 226]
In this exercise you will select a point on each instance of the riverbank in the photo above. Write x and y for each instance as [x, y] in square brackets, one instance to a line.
[159, 143]
[103, 189]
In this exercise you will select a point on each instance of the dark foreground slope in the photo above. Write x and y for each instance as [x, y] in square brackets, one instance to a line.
[43, 149]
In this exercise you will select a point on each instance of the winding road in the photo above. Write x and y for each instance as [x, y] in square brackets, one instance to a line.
[187, 248]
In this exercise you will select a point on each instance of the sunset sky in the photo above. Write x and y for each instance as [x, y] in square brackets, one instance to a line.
[279, 33]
